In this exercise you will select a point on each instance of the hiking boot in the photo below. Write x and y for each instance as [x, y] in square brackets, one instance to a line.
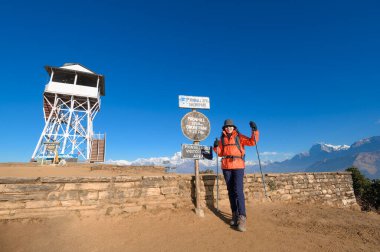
[242, 223]
[234, 220]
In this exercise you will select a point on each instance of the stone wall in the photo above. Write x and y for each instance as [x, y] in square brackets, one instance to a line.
[54, 196]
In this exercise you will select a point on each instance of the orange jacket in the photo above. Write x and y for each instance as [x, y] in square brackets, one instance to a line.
[232, 156]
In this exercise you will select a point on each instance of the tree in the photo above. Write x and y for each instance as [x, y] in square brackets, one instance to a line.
[367, 192]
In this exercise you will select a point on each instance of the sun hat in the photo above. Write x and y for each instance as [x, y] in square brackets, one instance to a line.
[229, 122]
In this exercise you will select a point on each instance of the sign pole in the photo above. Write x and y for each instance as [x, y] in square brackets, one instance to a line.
[198, 209]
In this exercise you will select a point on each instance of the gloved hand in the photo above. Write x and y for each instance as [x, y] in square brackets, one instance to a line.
[216, 143]
[253, 126]
[207, 154]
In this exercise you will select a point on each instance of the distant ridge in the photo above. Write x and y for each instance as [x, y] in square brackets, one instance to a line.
[364, 154]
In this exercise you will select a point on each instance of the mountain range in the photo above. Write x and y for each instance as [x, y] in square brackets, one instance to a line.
[363, 154]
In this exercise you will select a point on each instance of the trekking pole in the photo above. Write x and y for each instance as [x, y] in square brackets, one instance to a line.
[258, 157]
[217, 181]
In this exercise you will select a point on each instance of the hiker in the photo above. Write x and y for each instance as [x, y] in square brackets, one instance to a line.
[231, 148]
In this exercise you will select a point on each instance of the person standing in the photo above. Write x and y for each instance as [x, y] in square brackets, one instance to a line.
[231, 148]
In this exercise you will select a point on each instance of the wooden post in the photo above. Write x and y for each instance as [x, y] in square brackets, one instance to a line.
[198, 209]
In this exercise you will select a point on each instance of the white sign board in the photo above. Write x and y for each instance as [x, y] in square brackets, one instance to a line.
[195, 151]
[51, 146]
[194, 102]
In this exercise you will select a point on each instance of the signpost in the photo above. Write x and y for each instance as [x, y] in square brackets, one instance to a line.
[195, 126]
[194, 102]
[194, 151]
[52, 147]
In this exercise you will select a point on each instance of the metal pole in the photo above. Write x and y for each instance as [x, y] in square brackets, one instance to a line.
[258, 157]
[47, 123]
[89, 131]
[217, 182]
[66, 134]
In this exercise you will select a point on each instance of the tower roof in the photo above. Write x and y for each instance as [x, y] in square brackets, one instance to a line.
[76, 67]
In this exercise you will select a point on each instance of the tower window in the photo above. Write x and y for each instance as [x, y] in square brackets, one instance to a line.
[87, 80]
[63, 77]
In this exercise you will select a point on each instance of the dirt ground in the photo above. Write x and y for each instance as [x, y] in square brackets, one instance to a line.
[271, 227]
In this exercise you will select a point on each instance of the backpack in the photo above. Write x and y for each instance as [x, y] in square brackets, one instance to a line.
[237, 143]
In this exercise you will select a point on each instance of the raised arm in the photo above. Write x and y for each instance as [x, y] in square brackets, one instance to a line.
[250, 141]
[254, 136]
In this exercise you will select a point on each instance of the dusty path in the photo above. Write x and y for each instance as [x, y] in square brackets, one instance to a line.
[272, 227]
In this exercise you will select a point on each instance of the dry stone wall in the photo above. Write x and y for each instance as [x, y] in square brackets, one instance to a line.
[54, 196]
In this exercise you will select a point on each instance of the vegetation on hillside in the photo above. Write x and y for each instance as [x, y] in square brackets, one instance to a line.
[367, 191]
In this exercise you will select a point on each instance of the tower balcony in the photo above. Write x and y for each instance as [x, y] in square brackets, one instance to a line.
[71, 89]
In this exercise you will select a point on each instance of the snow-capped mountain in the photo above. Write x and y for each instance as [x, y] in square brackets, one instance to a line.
[181, 165]
[366, 145]
[364, 154]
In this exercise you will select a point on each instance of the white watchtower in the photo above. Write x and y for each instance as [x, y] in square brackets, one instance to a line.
[71, 102]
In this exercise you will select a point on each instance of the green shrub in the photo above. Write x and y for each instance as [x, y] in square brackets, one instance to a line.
[367, 192]
[374, 194]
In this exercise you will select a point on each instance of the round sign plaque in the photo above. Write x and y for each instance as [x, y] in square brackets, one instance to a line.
[195, 126]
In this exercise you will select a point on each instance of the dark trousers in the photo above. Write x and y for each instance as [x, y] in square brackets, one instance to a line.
[234, 181]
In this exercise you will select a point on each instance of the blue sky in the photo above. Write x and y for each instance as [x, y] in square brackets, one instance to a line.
[304, 71]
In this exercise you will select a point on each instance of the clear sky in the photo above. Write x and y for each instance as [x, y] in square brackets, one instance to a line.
[304, 71]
